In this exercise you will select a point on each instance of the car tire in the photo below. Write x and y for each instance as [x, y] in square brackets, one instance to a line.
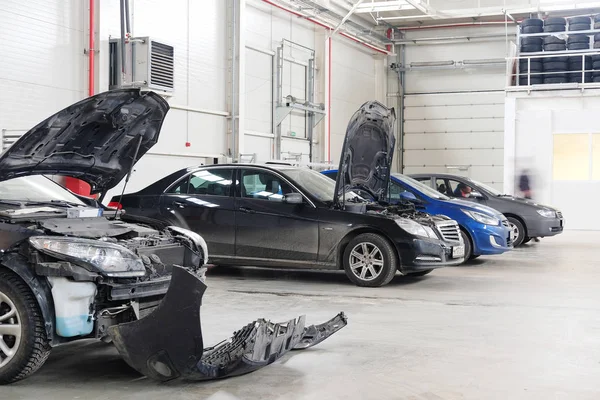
[532, 29]
[532, 22]
[30, 349]
[532, 41]
[555, 21]
[578, 38]
[579, 46]
[526, 240]
[555, 66]
[555, 47]
[378, 249]
[420, 273]
[530, 48]
[468, 246]
[579, 27]
[518, 231]
[553, 40]
[580, 20]
[555, 28]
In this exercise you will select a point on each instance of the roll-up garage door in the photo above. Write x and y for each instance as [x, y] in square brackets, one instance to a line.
[460, 133]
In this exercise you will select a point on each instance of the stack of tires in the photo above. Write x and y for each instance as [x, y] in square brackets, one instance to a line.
[555, 68]
[596, 57]
[531, 45]
[555, 24]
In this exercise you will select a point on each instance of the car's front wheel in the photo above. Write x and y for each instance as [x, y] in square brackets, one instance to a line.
[24, 346]
[518, 231]
[370, 260]
[468, 246]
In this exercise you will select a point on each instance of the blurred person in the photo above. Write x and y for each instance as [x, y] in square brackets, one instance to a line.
[525, 187]
[525, 184]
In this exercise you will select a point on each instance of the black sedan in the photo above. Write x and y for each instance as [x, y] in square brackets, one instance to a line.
[527, 218]
[282, 216]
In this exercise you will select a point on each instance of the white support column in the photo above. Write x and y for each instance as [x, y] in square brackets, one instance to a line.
[236, 54]
[327, 131]
[241, 73]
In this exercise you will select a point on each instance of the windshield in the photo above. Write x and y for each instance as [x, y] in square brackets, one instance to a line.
[36, 188]
[320, 186]
[487, 188]
[426, 190]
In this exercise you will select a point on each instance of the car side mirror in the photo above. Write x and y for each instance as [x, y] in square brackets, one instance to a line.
[408, 196]
[293, 198]
[476, 195]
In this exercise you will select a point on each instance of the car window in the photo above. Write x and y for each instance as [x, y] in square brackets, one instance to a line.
[35, 188]
[424, 180]
[396, 190]
[209, 182]
[458, 189]
[443, 187]
[264, 186]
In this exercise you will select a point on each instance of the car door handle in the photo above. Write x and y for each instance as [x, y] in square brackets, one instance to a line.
[178, 204]
[247, 210]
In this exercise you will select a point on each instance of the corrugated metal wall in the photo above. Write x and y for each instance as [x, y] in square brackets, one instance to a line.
[455, 117]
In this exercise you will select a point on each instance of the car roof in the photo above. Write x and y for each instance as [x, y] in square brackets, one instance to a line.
[442, 175]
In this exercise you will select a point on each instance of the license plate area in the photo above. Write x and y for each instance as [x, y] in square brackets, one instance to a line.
[458, 251]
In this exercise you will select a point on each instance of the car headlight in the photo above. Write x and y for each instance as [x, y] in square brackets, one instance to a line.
[106, 258]
[547, 213]
[482, 218]
[414, 228]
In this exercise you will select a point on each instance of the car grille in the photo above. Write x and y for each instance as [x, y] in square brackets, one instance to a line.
[449, 230]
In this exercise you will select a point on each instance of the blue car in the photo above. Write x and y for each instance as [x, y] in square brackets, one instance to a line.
[485, 231]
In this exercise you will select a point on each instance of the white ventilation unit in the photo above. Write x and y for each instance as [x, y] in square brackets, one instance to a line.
[149, 65]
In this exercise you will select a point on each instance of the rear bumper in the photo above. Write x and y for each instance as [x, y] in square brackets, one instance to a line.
[541, 227]
[423, 254]
[490, 240]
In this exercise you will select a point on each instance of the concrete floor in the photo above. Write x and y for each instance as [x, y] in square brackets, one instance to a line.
[525, 325]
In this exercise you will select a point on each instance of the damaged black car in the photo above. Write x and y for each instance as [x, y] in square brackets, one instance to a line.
[284, 216]
[71, 271]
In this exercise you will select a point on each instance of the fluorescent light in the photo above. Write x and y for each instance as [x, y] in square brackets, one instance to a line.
[383, 6]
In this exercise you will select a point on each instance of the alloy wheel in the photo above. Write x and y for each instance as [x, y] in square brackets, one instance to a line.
[10, 329]
[366, 261]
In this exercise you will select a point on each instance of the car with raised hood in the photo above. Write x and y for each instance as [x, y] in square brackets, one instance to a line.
[527, 218]
[284, 216]
[67, 272]
[484, 230]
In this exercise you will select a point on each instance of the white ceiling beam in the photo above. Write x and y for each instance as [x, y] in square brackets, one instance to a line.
[354, 7]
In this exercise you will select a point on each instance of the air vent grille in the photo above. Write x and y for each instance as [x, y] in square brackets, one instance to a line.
[161, 65]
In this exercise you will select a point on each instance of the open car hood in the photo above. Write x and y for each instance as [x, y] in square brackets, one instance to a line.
[367, 152]
[95, 140]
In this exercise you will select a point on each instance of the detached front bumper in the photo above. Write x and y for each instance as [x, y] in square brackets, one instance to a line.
[168, 343]
[542, 227]
[425, 254]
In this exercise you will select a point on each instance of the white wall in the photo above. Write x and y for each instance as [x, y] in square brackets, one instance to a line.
[198, 32]
[455, 117]
[43, 69]
[358, 75]
[42, 65]
[532, 121]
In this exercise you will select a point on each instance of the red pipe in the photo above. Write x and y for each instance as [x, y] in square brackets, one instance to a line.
[389, 36]
[314, 21]
[73, 184]
[91, 51]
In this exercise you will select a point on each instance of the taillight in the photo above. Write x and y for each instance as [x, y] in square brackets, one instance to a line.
[115, 204]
